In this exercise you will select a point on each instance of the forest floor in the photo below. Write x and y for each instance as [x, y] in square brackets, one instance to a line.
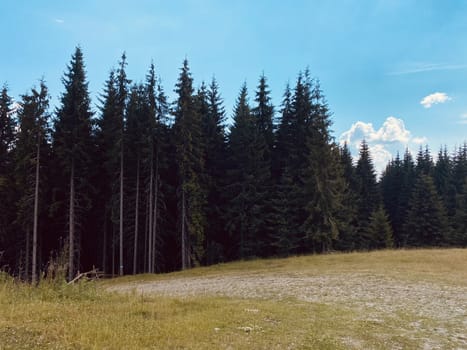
[401, 299]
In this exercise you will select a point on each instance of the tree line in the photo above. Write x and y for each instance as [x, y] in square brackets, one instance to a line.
[149, 185]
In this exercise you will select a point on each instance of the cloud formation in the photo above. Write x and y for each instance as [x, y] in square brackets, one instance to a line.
[59, 20]
[463, 119]
[435, 98]
[384, 142]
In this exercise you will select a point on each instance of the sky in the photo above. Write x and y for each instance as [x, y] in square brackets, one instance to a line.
[393, 71]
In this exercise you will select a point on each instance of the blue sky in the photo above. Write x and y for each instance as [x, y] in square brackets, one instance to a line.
[376, 59]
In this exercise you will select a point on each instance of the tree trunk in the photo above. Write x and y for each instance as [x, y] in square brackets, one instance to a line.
[150, 236]
[36, 214]
[121, 209]
[184, 262]
[113, 250]
[146, 238]
[71, 221]
[156, 199]
[26, 270]
[135, 246]
[104, 244]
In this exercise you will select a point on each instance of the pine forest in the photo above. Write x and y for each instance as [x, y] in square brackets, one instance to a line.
[144, 184]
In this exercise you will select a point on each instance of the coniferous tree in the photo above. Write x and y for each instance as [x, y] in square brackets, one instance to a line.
[284, 236]
[348, 213]
[283, 137]
[324, 183]
[191, 197]
[392, 185]
[247, 175]
[214, 138]
[426, 219]
[134, 136]
[368, 193]
[424, 162]
[73, 147]
[459, 186]
[122, 95]
[108, 149]
[31, 153]
[379, 230]
[7, 210]
[263, 113]
[296, 148]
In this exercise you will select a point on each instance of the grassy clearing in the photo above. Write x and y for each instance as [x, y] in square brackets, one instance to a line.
[86, 316]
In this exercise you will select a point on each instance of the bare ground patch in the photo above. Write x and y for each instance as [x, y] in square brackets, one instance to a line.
[433, 314]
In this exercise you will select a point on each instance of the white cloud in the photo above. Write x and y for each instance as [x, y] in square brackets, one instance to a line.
[419, 140]
[435, 98]
[463, 119]
[59, 20]
[392, 130]
[384, 143]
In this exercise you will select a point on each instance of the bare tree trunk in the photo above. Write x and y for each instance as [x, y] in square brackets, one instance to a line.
[36, 214]
[113, 251]
[135, 246]
[156, 211]
[71, 221]
[184, 262]
[28, 238]
[146, 238]
[150, 236]
[121, 209]
[104, 248]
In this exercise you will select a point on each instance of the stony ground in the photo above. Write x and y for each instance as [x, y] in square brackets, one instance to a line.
[434, 313]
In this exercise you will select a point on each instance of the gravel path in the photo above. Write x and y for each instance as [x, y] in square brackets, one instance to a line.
[375, 297]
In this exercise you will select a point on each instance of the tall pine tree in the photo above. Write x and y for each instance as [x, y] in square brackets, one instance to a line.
[73, 147]
[191, 197]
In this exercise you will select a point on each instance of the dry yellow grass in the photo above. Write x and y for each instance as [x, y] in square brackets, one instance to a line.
[334, 301]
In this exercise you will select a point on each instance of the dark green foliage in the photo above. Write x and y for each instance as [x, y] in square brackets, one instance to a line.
[190, 164]
[323, 178]
[7, 210]
[263, 113]
[379, 231]
[426, 219]
[247, 175]
[424, 162]
[347, 215]
[32, 138]
[6, 128]
[368, 194]
[135, 191]
[73, 148]
[215, 152]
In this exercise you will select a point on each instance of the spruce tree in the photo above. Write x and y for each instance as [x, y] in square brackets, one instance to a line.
[379, 230]
[73, 148]
[31, 153]
[108, 144]
[347, 216]
[459, 186]
[263, 113]
[122, 96]
[324, 183]
[213, 118]
[368, 194]
[426, 218]
[7, 208]
[247, 175]
[191, 197]
[284, 237]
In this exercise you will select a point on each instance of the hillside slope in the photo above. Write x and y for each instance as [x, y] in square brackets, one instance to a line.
[382, 299]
